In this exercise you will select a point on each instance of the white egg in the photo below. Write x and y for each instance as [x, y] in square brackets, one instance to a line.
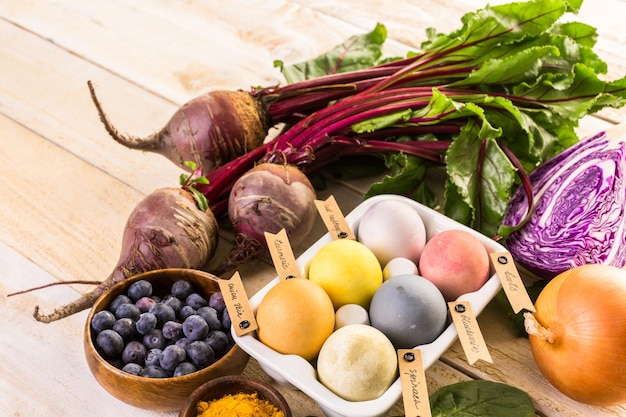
[392, 229]
[399, 266]
[351, 314]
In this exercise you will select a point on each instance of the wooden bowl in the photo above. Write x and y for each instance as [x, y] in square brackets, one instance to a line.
[220, 387]
[158, 394]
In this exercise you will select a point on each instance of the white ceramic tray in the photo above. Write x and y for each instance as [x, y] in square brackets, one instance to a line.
[295, 372]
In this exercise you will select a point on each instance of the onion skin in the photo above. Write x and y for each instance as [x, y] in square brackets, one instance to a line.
[578, 334]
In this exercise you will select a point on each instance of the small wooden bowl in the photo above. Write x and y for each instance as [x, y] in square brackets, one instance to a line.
[158, 394]
[220, 387]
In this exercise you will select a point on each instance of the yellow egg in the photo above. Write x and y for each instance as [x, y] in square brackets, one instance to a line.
[348, 271]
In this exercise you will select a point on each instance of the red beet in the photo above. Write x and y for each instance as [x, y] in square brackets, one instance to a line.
[165, 230]
[209, 130]
[268, 198]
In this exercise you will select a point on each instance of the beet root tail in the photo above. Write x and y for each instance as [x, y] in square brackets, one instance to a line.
[152, 142]
[78, 305]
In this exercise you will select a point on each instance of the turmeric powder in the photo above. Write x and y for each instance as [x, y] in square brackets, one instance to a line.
[238, 405]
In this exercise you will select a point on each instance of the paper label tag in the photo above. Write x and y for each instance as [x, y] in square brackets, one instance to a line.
[470, 335]
[282, 255]
[238, 305]
[413, 382]
[511, 280]
[333, 219]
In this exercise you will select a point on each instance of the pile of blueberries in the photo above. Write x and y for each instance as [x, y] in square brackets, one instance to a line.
[159, 337]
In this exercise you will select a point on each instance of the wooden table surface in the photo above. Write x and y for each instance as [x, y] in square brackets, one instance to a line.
[66, 188]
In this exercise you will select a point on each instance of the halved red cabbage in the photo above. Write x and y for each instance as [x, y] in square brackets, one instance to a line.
[579, 214]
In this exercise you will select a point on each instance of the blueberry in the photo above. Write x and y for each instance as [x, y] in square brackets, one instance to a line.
[155, 340]
[103, 319]
[219, 342]
[109, 343]
[216, 301]
[146, 324]
[153, 357]
[184, 368]
[117, 301]
[138, 289]
[132, 368]
[181, 289]
[195, 327]
[196, 300]
[226, 320]
[172, 330]
[153, 371]
[172, 357]
[183, 342]
[172, 301]
[200, 354]
[126, 328]
[144, 304]
[129, 310]
[116, 361]
[134, 352]
[163, 313]
[209, 314]
[185, 311]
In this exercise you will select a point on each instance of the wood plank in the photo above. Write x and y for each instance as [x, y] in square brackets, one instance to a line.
[180, 49]
[44, 87]
[60, 225]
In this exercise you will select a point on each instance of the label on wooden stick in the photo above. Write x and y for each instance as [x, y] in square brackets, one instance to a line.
[470, 335]
[282, 255]
[413, 382]
[511, 280]
[238, 305]
[333, 219]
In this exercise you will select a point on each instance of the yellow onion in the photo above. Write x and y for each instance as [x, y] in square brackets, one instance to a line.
[578, 334]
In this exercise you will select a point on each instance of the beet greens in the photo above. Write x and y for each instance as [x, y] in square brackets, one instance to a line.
[490, 101]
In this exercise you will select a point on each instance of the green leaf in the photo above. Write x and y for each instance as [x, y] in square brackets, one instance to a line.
[489, 27]
[191, 165]
[582, 33]
[481, 398]
[482, 175]
[182, 179]
[407, 175]
[359, 51]
[572, 96]
[201, 200]
[440, 108]
[512, 69]
[376, 123]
